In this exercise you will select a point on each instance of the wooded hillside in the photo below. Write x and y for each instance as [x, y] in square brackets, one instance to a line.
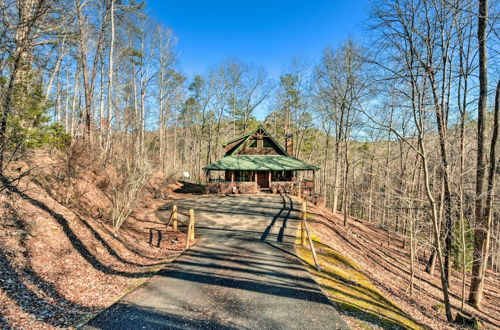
[404, 124]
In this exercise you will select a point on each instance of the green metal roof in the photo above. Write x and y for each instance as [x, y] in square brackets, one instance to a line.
[260, 163]
[236, 139]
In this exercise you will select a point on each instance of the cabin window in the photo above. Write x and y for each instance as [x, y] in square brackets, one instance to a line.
[280, 176]
[242, 176]
[268, 143]
[253, 144]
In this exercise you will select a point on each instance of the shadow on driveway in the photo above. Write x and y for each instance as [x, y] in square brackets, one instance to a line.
[241, 274]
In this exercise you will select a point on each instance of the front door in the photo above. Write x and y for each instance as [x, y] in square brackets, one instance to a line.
[263, 179]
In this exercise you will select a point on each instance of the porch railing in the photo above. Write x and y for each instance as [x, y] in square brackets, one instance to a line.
[303, 189]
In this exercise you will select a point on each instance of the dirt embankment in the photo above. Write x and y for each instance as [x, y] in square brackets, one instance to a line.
[388, 267]
[60, 260]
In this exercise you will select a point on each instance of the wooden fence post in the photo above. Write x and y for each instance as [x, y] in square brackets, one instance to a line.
[313, 250]
[174, 217]
[188, 236]
[191, 222]
[302, 224]
[190, 233]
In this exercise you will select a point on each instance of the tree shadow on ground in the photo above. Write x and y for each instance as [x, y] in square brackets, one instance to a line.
[30, 292]
[3, 323]
[32, 302]
[390, 263]
[75, 241]
[25, 287]
[149, 319]
[347, 287]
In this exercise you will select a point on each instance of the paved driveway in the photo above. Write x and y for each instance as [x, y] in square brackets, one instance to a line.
[242, 274]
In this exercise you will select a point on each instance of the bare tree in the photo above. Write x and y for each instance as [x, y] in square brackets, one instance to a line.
[344, 85]
[89, 69]
[482, 223]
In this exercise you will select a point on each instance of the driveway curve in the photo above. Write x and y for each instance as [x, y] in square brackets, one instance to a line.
[242, 274]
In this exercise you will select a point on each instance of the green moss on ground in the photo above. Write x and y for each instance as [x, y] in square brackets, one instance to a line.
[351, 291]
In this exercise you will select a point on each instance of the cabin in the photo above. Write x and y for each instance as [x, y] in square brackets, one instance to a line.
[257, 162]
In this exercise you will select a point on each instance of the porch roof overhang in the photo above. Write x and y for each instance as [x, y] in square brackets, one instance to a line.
[260, 163]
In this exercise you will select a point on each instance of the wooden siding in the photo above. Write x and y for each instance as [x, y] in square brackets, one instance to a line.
[246, 150]
[241, 146]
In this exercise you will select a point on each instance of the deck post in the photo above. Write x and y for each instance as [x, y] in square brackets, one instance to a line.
[314, 182]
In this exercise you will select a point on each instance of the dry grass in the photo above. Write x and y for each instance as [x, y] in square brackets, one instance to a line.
[386, 263]
[352, 292]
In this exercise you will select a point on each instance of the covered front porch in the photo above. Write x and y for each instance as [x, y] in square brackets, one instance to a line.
[253, 173]
[264, 180]
[273, 174]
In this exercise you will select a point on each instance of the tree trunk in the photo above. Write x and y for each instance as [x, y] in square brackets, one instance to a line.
[336, 178]
[109, 114]
[437, 239]
[481, 223]
[485, 224]
[346, 176]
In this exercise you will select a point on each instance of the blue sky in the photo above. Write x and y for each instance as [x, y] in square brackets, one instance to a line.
[265, 33]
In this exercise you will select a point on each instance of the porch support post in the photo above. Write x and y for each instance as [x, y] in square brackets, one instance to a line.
[269, 182]
[314, 181]
[232, 178]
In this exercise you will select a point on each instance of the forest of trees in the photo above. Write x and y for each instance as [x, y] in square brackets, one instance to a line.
[403, 124]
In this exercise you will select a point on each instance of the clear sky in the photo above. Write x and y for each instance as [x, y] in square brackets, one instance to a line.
[265, 33]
